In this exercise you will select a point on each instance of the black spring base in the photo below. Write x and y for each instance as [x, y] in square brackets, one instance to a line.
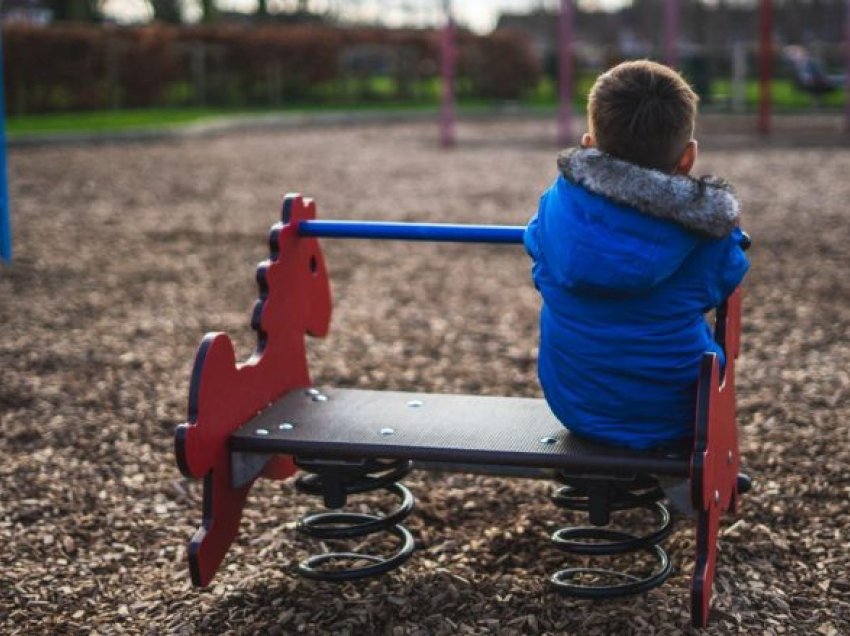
[599, 497]
[334, 481]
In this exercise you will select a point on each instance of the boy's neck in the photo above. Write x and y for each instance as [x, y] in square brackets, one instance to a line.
[683, 166]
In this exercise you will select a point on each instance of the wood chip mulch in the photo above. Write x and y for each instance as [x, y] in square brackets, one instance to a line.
[127, 254]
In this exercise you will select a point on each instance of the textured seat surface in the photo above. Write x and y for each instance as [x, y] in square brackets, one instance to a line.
[351, 423]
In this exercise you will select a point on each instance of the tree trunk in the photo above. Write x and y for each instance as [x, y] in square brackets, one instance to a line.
[167, 11]
[77, 10]
[208, 11]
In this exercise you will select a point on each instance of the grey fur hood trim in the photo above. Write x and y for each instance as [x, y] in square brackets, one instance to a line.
[706, 205]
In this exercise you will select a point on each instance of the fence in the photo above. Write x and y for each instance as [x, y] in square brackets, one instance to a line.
[82, 67]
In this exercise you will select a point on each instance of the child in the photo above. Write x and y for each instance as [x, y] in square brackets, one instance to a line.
[628, 253]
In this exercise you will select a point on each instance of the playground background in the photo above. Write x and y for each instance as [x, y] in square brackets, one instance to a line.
[104, 74]
[128, 253]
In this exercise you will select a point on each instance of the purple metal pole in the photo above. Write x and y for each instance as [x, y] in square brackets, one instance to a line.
[765, 65]
[847, 69]
[447, 65]
[565, 74]
[671, 33]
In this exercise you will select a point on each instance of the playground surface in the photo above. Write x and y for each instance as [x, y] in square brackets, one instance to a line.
[127, 253]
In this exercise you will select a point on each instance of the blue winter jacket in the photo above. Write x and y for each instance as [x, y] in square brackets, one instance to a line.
[627, 261]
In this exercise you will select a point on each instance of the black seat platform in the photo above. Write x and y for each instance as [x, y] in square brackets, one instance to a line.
[460, 429]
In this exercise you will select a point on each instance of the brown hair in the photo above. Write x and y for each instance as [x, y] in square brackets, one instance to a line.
[642, 112]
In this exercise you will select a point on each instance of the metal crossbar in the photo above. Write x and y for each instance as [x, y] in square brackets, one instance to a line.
[441, 232]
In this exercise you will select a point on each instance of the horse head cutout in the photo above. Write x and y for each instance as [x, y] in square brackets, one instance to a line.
[294, 301]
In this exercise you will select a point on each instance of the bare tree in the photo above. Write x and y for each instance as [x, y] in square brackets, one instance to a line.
[208, 11]
[167, 11]
[77, 10]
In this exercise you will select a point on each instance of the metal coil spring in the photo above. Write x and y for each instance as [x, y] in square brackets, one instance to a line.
[599, 497]
[334, 480]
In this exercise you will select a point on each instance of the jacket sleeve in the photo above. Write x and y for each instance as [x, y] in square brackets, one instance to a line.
[731, 267]
[533, 244]
[530, 240]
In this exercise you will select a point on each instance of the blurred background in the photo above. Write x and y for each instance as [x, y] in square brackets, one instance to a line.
[124, 63]
[127, 253]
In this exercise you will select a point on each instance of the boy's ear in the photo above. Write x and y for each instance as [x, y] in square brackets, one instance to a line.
[688, 159]
[587, 140]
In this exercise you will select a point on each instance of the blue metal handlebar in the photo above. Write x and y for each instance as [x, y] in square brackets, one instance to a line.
[446, 232]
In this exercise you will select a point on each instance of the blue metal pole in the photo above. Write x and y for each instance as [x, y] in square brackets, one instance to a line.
[446, 232]
[5, 216]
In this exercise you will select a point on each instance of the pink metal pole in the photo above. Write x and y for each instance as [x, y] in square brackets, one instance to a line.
[565, 74]
[671, 33]
[765, 65]
[447, 110]
[847, 69]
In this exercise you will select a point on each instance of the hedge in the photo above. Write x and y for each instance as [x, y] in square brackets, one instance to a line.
[79, 67]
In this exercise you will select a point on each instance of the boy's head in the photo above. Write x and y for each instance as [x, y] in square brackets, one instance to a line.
[644, 113]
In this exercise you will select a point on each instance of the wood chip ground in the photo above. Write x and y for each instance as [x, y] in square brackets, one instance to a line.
[127, 254]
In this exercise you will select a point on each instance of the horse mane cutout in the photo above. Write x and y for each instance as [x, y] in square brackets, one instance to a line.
[294, 300]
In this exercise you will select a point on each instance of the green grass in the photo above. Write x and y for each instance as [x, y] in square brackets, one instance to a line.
[785, 95]
[546, 93]
[105, 121]
[544, 97]
[146, 119]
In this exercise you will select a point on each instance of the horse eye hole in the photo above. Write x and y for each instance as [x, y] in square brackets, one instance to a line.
[314, 265]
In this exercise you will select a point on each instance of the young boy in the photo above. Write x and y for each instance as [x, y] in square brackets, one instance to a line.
[628, 253]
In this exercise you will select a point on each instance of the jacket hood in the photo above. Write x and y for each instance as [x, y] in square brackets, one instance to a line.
[706, 205]
[610, 227]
